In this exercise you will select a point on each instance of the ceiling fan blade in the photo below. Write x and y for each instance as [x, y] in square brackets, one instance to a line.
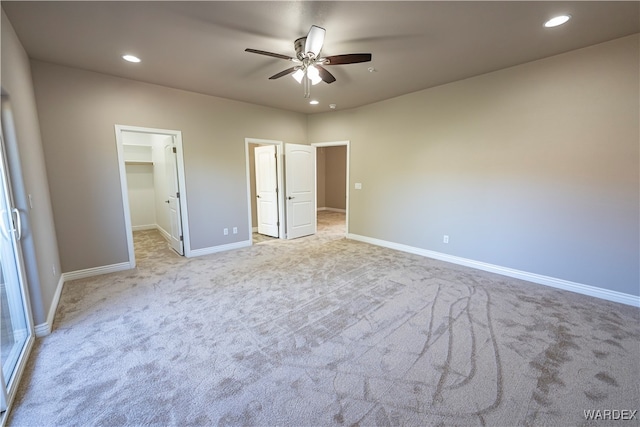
[275, 55]
[326, 76]
[283, 73]
[350, 58]
[315, 40]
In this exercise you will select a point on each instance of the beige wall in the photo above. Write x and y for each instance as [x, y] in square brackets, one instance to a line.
[39, 239]
[321, 176]
[78, 110]
[142, 196]
[534, 167]
[336, 177]
[332, 177]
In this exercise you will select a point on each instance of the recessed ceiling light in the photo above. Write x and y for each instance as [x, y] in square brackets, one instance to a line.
[130, 58]
[558, 20]
[332, 106]
[313, 102]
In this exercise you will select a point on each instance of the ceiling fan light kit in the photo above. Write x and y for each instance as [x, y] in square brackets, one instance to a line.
[298, 75]
[310, 70]
[313, 74]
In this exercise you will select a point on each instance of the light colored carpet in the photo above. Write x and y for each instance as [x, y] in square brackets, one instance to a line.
[324, 331]
[260, 238]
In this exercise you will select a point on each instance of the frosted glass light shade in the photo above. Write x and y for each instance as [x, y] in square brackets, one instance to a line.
[298, 75]
[314, 75]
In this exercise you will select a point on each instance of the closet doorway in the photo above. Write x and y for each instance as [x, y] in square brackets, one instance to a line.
[332, 170]
[152, 180]
[277, 208]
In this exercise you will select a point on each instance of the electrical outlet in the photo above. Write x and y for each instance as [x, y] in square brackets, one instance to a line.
[445, 239]
[235, 230]
[225, 231]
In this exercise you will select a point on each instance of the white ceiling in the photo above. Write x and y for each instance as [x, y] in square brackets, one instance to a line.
[199, 46]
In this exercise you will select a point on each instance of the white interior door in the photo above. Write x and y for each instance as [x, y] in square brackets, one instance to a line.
[300, 178]
[173, 200]
[266, 190]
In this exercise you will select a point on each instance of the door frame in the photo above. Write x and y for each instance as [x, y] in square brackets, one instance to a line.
[280, 179]
[346, 143]
[15, 184]
[177, 137]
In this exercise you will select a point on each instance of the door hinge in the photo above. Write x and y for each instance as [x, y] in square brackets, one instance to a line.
[178, 195]
[278, 224]
[181, 238]
[174, 150]
[277, 190]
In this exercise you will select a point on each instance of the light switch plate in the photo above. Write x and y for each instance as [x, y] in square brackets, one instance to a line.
[358, 186]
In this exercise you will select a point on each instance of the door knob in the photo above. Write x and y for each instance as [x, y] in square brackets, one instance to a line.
[166, 201]
[257, 196]
[290, 197]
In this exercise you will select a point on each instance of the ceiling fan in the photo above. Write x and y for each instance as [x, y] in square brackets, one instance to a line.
[310, 70]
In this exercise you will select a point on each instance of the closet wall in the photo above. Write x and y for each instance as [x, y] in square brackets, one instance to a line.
[332, 178]
[146, 181]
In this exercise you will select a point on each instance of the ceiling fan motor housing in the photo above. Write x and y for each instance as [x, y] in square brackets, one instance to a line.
[299, 47]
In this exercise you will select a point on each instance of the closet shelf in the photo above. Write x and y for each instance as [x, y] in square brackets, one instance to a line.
[135, 162]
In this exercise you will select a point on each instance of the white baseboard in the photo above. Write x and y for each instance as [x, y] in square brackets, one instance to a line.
[44, 329]
[144, 227]
[332, 210]
[161, 230]
[164, 233]
[221, 248]
[97, 271]
[553, 282]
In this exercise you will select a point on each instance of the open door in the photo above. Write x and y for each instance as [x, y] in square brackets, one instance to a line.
[266, 190]
[300, 178]
[173, 200]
